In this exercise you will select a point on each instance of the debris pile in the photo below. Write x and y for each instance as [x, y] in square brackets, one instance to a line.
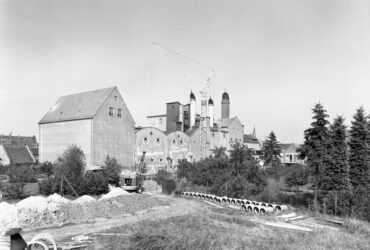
[114, 192]
[152, 186]
[39, 212]
[8, 217]
[84, 199]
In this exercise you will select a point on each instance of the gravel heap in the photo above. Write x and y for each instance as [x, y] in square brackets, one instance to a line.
[114, 192]
[152, 186]
[8, 217]
[38, 212]
[84, 199]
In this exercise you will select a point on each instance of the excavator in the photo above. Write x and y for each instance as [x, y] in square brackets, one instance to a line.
[134, 182]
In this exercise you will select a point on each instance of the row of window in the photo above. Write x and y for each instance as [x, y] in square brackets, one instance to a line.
[111, 112]
[158, 141]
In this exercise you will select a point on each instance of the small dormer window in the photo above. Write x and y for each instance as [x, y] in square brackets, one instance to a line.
[119, 114]
[115, 98]
[110, 111]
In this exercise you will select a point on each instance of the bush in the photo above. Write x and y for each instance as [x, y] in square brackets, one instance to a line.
[71, 166]
[14, 190]
[95, 183]
[112, 171]
[49, 186]
[162, 176]
[168, 186]
[22, 174]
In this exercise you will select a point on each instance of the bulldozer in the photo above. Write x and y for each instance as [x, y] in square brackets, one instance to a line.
[134, 182]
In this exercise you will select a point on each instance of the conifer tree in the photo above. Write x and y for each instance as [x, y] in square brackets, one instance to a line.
[359, 150]
[271, 151]
[335, 175]
[316, 145]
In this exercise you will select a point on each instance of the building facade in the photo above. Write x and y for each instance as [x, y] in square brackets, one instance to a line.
[97, 121]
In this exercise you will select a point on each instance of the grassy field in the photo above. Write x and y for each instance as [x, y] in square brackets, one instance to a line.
[220, 229]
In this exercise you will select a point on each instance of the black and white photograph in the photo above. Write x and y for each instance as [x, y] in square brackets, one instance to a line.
[184, 124]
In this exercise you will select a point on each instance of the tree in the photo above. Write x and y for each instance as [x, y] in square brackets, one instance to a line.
[271, 151]
[112, 171]
[298, 177]
[316, 145]
[219, 152]
[95, 183]
[359, 150]
[71, 166]
[335, 176]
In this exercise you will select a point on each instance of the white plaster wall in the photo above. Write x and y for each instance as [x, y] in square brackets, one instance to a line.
[156, 123]
[4, 157]
[55, 138]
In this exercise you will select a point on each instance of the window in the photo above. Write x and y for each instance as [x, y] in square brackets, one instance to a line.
[110, 111]
[119, 113]
[160, 120]
[158, 141]
[145, 140]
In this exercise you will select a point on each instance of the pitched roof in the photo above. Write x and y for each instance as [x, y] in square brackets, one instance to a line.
[226, 122]
[77, 106]
[18, 154]
[250, 139]
[18, 140]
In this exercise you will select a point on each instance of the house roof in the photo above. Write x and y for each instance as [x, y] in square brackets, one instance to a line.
[77, 106]
[18, 140]
[250, 139]
[191, 131]
[226, 122]
[18, 154]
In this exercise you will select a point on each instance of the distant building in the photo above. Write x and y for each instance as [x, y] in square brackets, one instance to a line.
[289, 154]
[98, 121]
[21, 142]
[162, 151]
[158, 121]
[16, 154]
[251, 141]
[183, 118]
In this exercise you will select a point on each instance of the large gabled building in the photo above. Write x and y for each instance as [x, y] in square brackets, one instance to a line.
[98, 121]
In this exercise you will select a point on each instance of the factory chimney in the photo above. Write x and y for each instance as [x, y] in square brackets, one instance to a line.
[211, 112]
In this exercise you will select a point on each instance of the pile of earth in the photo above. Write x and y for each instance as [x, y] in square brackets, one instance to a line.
[41, 212]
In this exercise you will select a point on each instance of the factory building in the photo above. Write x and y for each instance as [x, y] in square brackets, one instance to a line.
[163, 151]
[97, 121]
[183, 118]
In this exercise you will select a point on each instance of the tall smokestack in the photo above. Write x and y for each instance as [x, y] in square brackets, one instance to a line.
[211, 112]
[192, 109]
[225, 106]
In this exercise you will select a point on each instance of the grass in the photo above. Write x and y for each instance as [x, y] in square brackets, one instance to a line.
[216, 230]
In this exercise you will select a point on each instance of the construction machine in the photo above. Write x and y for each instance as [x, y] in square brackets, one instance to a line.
[134, 182]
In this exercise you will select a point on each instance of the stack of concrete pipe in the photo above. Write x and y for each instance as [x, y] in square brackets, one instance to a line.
[246, 205]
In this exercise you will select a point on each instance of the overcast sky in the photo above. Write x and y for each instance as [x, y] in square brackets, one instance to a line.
[275, 58]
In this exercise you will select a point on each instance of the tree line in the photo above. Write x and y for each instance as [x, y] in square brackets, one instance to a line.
[339, 159]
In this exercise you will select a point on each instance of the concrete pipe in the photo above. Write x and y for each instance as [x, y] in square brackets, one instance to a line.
[270, 205]
[253, 203]
[228, 201]
[263, 205]
[279, 208]
[244, 208]
[257, 204]
[256, 209]
[238, 201]
[250, 208]
[232, 201]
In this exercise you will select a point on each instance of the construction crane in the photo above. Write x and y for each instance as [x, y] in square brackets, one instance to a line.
[204, 94]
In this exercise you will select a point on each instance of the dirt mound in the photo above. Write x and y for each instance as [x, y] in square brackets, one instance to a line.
[8, 217]
[84, 199]
[57, 199]
[114, 192]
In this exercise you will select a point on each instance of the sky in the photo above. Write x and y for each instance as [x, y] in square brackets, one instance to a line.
[275, 58]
